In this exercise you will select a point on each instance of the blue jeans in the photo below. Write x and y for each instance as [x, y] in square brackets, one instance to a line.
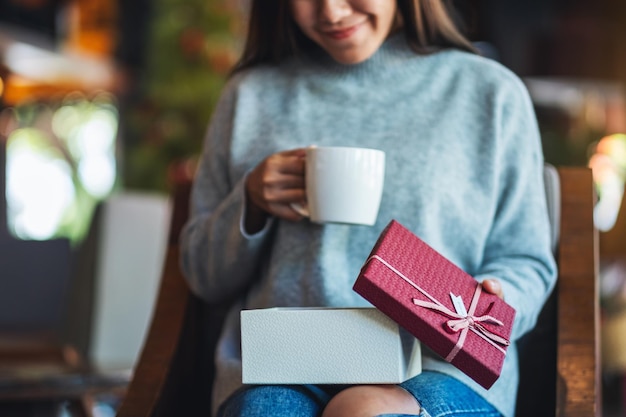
[438, 394]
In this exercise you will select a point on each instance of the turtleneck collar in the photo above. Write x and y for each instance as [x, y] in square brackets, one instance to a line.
[393, 54]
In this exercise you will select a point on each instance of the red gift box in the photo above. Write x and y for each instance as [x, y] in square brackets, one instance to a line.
[416, 286]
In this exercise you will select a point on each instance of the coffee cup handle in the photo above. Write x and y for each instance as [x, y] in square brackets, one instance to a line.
[302, 210]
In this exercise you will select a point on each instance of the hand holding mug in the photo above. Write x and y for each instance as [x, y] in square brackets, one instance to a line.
[273, 185]
[326, 184]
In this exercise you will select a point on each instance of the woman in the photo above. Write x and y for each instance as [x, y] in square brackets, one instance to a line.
[464, 167]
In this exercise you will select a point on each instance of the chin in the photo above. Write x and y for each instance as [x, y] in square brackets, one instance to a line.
[351, 59]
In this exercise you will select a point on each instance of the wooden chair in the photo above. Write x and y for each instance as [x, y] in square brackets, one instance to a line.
[560, 360]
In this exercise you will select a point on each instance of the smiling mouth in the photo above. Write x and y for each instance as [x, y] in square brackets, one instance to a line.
[342, 33]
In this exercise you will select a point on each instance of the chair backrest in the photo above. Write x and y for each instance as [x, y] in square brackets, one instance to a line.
[560, 372]
[552, 184]
[133, 228]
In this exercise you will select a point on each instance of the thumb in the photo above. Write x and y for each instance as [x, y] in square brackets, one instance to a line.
[493, 286]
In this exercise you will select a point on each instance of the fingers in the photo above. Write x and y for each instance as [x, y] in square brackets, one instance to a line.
[277, 182]
[299, 152]
[492, 285]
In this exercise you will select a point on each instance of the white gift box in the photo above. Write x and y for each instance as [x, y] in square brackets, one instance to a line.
[325, 346]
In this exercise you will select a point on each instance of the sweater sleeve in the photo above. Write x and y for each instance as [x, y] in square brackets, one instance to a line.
[518, 251]
[217, 257]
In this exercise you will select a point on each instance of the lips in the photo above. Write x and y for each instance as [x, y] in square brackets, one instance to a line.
[340, 34]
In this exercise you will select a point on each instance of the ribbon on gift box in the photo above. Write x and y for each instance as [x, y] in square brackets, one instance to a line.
[458, 322]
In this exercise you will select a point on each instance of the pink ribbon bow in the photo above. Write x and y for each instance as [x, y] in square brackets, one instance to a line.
[464, 323]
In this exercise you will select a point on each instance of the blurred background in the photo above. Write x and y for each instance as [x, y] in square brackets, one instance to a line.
[104, 105]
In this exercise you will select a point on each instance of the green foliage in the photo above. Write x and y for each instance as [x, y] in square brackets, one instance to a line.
[193, 45]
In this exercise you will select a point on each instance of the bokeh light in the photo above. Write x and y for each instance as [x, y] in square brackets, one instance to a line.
[61, 162]
[608, 164]
[39, 185]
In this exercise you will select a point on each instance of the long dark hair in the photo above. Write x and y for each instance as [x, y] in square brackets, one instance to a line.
[273, 35]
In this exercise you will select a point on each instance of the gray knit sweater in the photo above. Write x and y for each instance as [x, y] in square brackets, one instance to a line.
[464, 166]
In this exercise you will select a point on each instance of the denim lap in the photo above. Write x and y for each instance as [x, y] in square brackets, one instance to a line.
[438, 394]
[441, 395]
[275, 400]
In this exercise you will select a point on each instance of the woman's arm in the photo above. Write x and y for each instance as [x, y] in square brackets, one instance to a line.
[217, 257]
[234, 203]
[518, 252]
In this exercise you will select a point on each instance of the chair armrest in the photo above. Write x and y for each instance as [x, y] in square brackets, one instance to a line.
[157, 360]
[578, 353]
[158, 370]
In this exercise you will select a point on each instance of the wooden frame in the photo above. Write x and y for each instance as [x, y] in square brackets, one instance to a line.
[174, 373]
[578, 317]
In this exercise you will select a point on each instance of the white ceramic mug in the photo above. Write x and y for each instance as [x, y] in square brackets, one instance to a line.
[343, 184]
